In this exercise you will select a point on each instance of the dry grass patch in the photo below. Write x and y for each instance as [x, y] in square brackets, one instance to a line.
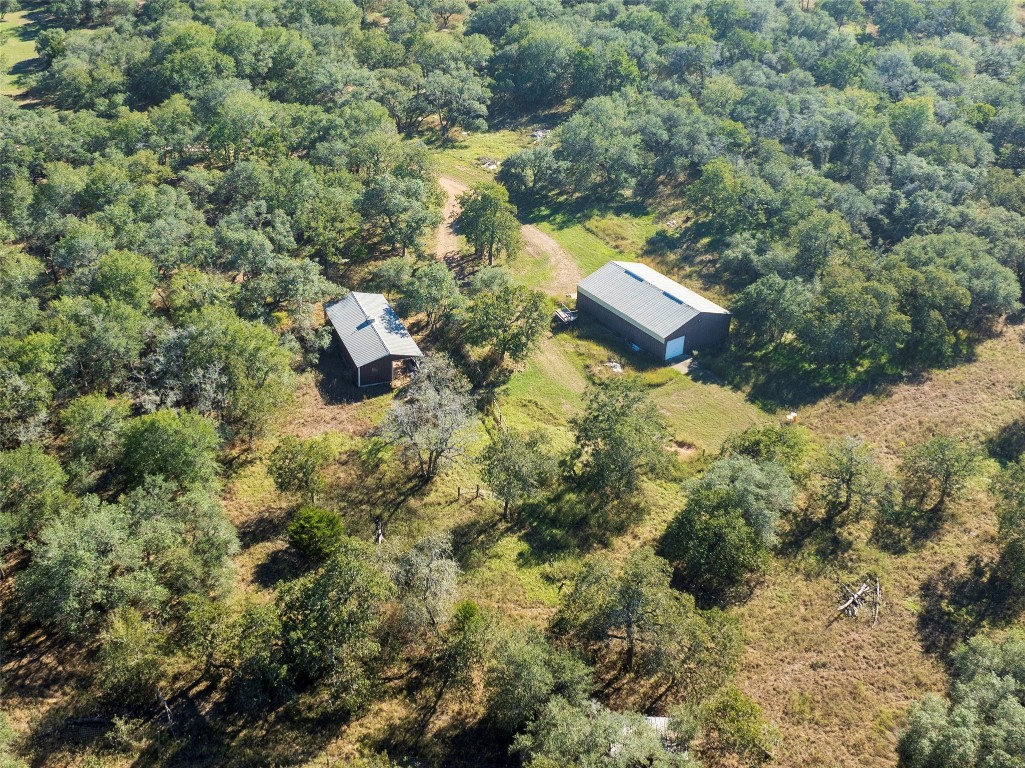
[839, 689]
[974, 399]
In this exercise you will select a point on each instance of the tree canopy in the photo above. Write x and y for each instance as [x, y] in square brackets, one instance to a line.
[620, 437]
[980, 723]
[184, 185]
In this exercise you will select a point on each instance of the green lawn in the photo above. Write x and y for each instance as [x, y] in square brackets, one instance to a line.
[594, 238]
[700, 411]
[546, 393]
[462, 160]
[627, 233]
[704, 413]
[588, 250]
[530, 270]
[17, 45]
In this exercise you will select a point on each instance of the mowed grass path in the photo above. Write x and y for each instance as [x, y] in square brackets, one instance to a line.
[18, 33]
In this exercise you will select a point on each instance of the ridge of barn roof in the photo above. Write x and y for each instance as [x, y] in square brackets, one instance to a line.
[369, 328]
[684, 294]
[647, 298]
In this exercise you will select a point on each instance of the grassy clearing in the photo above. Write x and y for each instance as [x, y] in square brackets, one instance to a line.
[700, 411]
[839, 691]
[17, 48]
[530, 270]
[627, 234]
[588, 250]
[547, 392]
[976, 399]
[506, 577]
[703, 413]
[461, 160]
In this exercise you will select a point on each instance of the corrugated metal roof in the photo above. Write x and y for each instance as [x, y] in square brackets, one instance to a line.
[370, 329]
[649, 300]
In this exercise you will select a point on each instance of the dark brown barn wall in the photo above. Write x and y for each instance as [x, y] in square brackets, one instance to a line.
[350, 365]
[377, 372]
[621, 327]
[705, 331]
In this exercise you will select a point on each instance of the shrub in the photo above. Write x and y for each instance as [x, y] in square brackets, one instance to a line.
[315, 532]
[980, 722]
[296, 466]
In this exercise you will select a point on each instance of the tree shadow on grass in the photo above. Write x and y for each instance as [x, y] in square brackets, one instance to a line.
[35, 663]
[775, 379]
[282, 564]
[812, 534]
[907, 528]
[574, 522]
[960, 600]
[453, 743]
[570, 211]
[1008, 444]
[376, 489]
[476, 746]
[335, 381]
[262, 528]
[209, 735]
[768, 383]
[473, 539]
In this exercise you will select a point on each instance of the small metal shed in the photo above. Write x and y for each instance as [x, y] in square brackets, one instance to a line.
[652, 311]
[371, 338]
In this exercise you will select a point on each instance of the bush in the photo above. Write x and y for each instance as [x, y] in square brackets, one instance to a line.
[722, 538]
[296, 466]
[31, 492]
[260, 677]
[131, 659]
[980, 723]
[936, 472]
[734, 725]
[330, 622]
[525, 673]
[315, 532]
[180, 446]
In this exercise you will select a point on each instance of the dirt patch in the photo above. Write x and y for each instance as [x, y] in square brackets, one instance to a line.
[447, 246]
[318, 412]
[684, 451]
[565, 272]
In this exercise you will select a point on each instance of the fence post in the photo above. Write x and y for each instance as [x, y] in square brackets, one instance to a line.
[459, 493]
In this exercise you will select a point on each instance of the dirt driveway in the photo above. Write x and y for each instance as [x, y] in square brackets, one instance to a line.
[565, 273]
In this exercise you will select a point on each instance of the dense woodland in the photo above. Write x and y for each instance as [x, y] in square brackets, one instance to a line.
[190, 181]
